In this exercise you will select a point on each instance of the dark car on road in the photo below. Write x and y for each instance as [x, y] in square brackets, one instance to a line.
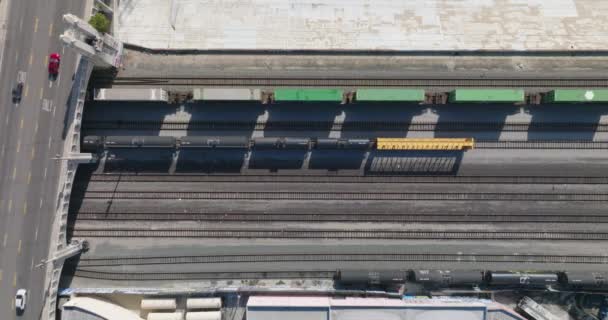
[17, 92]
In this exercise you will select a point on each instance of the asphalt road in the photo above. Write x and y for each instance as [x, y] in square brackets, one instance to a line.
[30, 136]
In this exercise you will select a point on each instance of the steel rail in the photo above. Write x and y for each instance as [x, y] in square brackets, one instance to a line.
[310, 82]
[403, 257]
[287, 233]
[331, 217]
[377, 196]
[136, 177]
[142, 276]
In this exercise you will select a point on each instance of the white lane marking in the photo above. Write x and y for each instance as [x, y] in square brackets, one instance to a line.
[10, 205]
[14, 283]
[32, 264]
[5, 238]
[50, 137]
[2, 153]
[41, 202]
[18, 145]
[14, 175]
[51, 29]
[59, 80]
[36, 25]
[25, 208]
[54, 107]
[19, 247]
[45, 168]
[36, 234]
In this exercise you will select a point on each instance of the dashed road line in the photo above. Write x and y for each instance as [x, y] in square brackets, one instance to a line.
[33, 154]
[32, 264]
[41, 92]
[31, 59]
[10, 205]
[41, 202]
[25, 208]
[18, 145]
[36, 25]
[50, 137]
[29, 178]
[0, 275]
[36, 234]
[27, 90]
[51, 29]
[14, 172]
[19, 247]
[45, 169]
[46, 61]
[21, 124]
[5, 238]
[14, 282]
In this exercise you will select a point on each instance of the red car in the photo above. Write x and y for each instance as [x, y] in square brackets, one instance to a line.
[54, 61]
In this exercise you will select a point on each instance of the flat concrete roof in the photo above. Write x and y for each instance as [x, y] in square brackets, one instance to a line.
[365, 24]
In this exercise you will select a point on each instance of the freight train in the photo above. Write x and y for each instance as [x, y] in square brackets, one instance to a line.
[579, 280]
[94, 143]
[337, 95]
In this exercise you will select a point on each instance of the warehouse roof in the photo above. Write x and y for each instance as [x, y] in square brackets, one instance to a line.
[365, 24]
[327, 308]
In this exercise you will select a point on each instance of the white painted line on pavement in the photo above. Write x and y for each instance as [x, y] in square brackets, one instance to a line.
[36, 25]
[51, 29]
[27, 89]
[18, 145]
[29, 177]
[32, 264]
[14, 173]
[50, 137]
[36, 128]
[33, 154]
[16, 56]
[41, 92]
[0, 275]
[25, 208]
[14, 284]
[44, 175]
[2, 153]
[41, 202]
[10, 205]
[36, 234]
[59, 80]
[21, 24]
[46, 61]
[21, 124]
[31, 59]
[19, 247]
[54, 107]
[5, 238]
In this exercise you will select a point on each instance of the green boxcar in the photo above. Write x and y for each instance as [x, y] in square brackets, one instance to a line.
[406, 95]
[577, 95]
[308, 95]
[487, 95]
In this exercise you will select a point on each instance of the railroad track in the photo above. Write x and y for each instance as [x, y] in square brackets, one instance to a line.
[142, 276]
[343, 126]
[88, 215]
[403, 257]
[126, 177]
[370, 196]
[287, 82]
[287, 233]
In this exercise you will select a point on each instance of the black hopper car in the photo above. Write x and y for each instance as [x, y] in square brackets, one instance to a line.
[567, 281]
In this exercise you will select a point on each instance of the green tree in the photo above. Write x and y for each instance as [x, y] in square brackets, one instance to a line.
[100, 22]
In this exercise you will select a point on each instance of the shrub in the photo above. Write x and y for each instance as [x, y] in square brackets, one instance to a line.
[100, 22]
